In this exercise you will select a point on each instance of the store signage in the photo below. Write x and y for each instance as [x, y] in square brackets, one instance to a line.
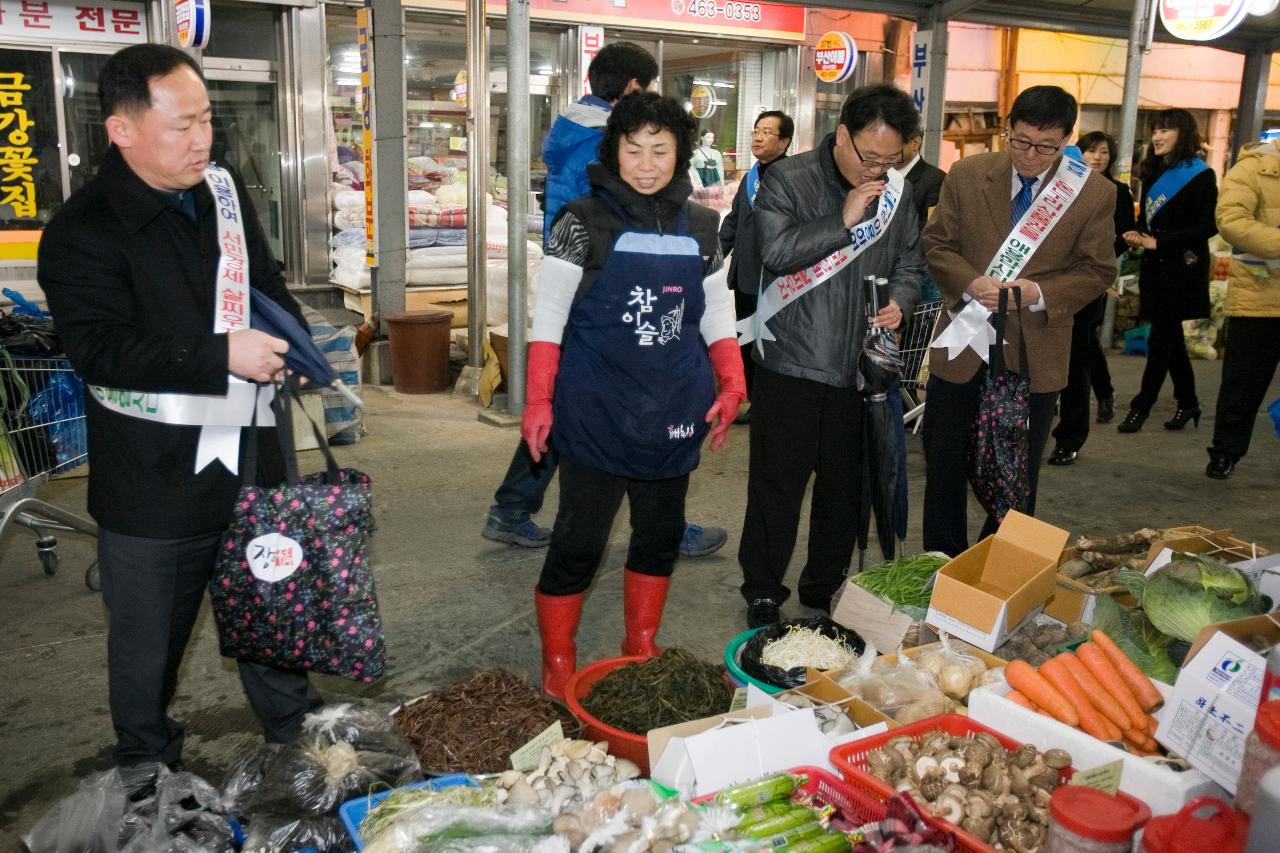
[191, 22]
[1202, 20]
[590, 40]
[702, 102]
[17, 156]
[116, 21]
[921, 54]
[459, 90]
[363, 25]
[764, 21]
[834, 57]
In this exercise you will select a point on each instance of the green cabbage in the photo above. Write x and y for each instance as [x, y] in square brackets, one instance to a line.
[1137, 637]
[1191, 592]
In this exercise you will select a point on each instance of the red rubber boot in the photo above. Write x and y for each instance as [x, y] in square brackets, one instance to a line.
[557, 623]
[642, 599]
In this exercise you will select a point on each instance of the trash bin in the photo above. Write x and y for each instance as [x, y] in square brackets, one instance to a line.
[420, 350]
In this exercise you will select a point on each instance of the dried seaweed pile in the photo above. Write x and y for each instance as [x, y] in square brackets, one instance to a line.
[477, 723]
[674, 687]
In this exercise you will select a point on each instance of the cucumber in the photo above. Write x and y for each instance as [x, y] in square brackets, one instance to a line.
[778, 823]
[796, 834]
[755, 814]
[832, 842]
[777, 787]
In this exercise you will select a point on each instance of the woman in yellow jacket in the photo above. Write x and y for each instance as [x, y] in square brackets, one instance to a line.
[1248, 215]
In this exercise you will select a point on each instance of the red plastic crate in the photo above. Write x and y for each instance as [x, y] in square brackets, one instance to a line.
[827, 788]
[851, 759]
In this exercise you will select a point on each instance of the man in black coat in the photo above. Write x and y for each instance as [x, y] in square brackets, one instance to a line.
[924, 177]
[770, 139]
[133, 269]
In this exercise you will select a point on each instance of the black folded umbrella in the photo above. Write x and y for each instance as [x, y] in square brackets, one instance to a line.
[304, 357]
[882, 474]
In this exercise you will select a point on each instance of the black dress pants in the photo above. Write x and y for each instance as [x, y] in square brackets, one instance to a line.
[800, 428]
[949, 413]
[153, 589]
[745, 305]
[1166, 356]
[589, 501]
[1072, 430]
[1253, 349]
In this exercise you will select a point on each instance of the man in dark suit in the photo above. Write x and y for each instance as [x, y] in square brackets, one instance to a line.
[147, 288]
[770, 139]
[987, 201]
[925, 178]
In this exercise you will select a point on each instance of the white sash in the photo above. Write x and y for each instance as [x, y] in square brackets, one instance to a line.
[220, 417]
[971, 327]
[788, 288]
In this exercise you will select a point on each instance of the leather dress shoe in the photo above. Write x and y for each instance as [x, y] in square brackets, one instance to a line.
[1063, 456]
[1106, 410]
[762, 612]
[1219, 467]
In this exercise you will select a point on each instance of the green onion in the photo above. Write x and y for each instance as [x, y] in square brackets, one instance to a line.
[903, 581]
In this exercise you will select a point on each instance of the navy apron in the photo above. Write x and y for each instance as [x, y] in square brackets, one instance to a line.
[635, 381]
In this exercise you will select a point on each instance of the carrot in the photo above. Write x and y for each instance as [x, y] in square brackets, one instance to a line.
[1023, 678]
[1060, 677]
[1018, 699]
[1113, 731]
[1146, 744]
[1136, 736]
[1100, 698]
[1143, 690]
[1142, 749]
[1096, 661]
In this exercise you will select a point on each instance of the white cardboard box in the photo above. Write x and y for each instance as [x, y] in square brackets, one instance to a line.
[1161, 788]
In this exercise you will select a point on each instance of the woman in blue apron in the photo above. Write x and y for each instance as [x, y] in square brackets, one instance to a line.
[634, 324]
[1175, 222]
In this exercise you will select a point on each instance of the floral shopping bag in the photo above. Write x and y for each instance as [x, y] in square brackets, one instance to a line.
[998, 438]
[292, 586]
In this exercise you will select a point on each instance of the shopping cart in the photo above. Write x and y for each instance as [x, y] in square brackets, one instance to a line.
[916, 336]
[42, 435]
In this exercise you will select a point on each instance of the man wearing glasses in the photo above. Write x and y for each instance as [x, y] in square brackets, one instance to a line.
[770, 139]
[824, 220]
[1018, 218]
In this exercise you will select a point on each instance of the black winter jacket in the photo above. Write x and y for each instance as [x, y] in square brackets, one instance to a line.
[1174, 282]
[130, 282]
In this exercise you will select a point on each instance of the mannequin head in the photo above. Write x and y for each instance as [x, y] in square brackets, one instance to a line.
[708, 139]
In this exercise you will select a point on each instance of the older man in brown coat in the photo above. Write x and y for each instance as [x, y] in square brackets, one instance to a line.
[1067, 263]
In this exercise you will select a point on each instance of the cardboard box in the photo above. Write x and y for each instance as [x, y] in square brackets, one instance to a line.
[452, 299]
[1075, 601]
[1214, 701]
[821, 689]
[1262, 567]
[1163, 789]
[989, 659]
[986, 593]
[877, 621]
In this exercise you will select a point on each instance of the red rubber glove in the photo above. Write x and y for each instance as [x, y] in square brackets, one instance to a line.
[726, 359]
[535, 425]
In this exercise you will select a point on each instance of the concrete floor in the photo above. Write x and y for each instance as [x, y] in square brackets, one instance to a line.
[453, 602]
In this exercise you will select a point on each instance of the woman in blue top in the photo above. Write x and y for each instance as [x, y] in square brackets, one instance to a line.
[1179, 195]
[634, 325]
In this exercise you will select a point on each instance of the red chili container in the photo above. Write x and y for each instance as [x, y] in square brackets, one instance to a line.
[1086, 820]
[1222, 829]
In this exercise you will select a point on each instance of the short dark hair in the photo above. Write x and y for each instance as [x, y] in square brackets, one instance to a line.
[1095, 138]
[1188, 146]
[883, 102]
[124, 84]
[641, 110]
[786, 126]
[1044, 108]
[616, 65]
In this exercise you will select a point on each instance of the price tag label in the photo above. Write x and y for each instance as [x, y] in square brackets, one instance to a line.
[739, 700]
[526, 757]
[1104, 777]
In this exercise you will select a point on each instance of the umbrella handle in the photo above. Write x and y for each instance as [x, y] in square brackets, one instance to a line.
[339, 386]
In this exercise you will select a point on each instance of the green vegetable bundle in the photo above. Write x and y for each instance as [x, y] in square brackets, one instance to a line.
[1191, 592]
[902, 582]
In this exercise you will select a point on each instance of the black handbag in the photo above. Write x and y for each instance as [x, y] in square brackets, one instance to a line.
[999, 437]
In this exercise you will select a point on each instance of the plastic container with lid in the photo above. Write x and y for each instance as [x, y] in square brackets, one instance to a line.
[1204, 825]
[1264, 823]
[1261, 753]
[1086, 820]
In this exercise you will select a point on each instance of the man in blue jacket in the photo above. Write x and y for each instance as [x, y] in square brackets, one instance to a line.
[571, 145]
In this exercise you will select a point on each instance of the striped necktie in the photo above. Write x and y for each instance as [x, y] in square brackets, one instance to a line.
[1022, 200]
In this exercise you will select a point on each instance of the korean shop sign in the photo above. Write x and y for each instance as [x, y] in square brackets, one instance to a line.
[17, 156]
[117, 21]
[834, 57]
[191, 23]
[1202, 20]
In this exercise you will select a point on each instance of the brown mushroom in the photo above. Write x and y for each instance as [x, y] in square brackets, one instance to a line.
[981, 828]
[976, 753]
[995, 779]
[1023, 836]
[970, 775]
[932, 786]
[1057, 758]
[1047, 780]
[990, 741]
[949, 809]
[951, 766]
[1019, 785]
[1023, 756]
[925, 766]
[979, 804]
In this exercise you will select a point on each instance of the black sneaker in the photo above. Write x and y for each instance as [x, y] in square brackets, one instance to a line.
[761, 612]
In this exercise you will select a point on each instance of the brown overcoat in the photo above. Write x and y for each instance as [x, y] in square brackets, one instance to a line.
[1073, 266]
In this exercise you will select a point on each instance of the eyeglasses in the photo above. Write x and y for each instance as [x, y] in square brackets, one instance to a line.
[764, 131]
[874, 165]
[1026, 144]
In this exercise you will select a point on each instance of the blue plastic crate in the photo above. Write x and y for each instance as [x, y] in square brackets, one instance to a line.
[353, 812]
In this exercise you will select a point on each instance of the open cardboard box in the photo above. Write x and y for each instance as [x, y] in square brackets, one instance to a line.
[1162, 788]
[985, 594]
[1262, 567]
[821, 687]
[1212, 707]
[876, 620]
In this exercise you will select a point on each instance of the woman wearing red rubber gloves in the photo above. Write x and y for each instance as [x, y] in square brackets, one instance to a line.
[634, 324]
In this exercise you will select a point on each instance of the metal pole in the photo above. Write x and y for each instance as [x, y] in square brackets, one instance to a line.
[935, 98]
[1138, 45]
[1253, 99]
[517, 197]
[477, 184]
[388, 277]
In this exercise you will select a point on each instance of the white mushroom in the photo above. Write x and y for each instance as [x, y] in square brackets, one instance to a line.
[925, 765]
[625, 770]
[951, 767]
[949, 808]
[522, 794]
